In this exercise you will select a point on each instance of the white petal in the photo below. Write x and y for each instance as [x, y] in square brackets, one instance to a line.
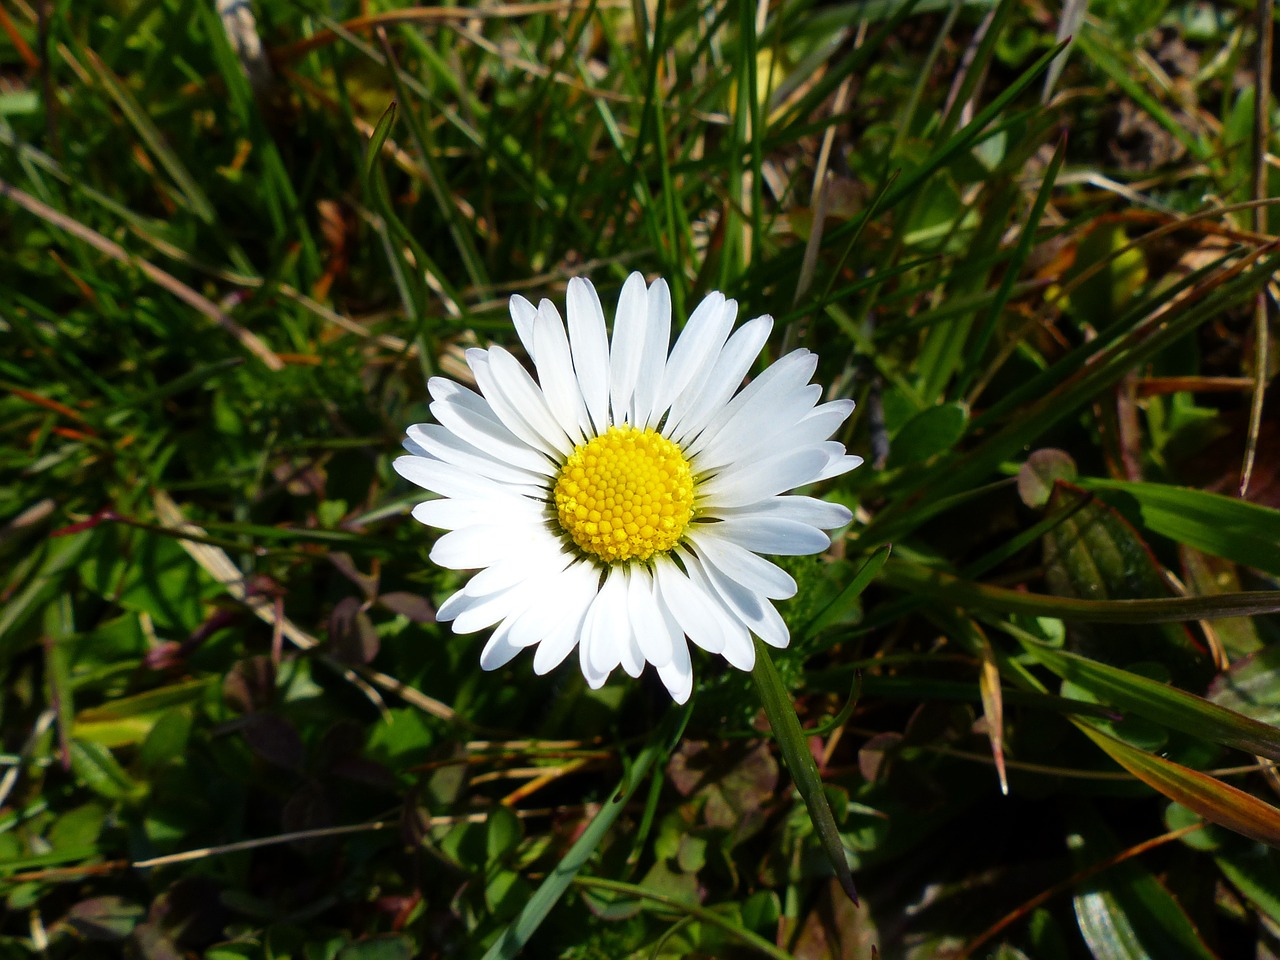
[647, 625]
[627, 349]
[832, 412]
[691, 607]
[784, 376]
[475, 613]
[552, 651]
[452, 606]
[512, 383]
[774, 535]
[545, 612]
[654, 362]
[771, 431]
[697, 345]
[590, 347]
[608, 632]
[474, 547]
[580, 586]
[703, 356]
[555, 372]
[745, 607]
[512, 603]
[724, 379]
[738, 648]
[450, 514]
[499, 651]
[765, 478]
[817, 513]
[483, 430]
[791, 425]
[678, 674]
[442, 388]
[507, 411]
[632, 657]
[760, 400]
[443, 444]
[838, 465]
[739, 564]
[449, 480]
[509, 573]
[790, 428]
[522, 314]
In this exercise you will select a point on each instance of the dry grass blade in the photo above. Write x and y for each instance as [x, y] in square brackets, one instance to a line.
[993, 709]
[215, 562]
[247, 338]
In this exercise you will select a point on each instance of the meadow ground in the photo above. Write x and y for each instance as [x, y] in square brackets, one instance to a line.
[1032, 241]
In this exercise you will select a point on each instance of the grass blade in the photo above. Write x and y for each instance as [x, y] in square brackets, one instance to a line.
[795, 750]
[1214, 800]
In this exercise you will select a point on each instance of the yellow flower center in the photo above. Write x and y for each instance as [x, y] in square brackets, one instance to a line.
[625, 495]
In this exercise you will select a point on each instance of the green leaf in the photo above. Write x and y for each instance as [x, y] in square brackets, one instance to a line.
[930, 432]
[1228, 527]
[505, 891]
[129, 720]
[1110, 275]
[1158, 701]
[48, 567]
[1094, 554]
[1252, 686]
[761, 911]
[502, 833]
[167, 739]
[159, 579]
[78, 828]
[95, 768]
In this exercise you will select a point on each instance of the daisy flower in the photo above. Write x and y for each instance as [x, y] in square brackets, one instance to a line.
[620, 502]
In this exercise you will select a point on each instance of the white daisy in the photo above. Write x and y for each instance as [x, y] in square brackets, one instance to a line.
[620, 502]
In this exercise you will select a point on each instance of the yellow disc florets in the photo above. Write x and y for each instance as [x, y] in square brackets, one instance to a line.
[625, 495]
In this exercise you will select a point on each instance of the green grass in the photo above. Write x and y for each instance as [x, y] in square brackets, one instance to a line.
[231, 728]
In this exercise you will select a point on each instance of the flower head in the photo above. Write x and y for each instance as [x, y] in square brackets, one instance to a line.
[619, 503]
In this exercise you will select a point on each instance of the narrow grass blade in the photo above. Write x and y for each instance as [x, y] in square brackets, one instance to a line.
[373, 151]
[921, 580]
[524, 926]
[1214, 800]
[190, 191]
[1013, 270]
[1158, 701]
[795, 750]
[845, 599]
